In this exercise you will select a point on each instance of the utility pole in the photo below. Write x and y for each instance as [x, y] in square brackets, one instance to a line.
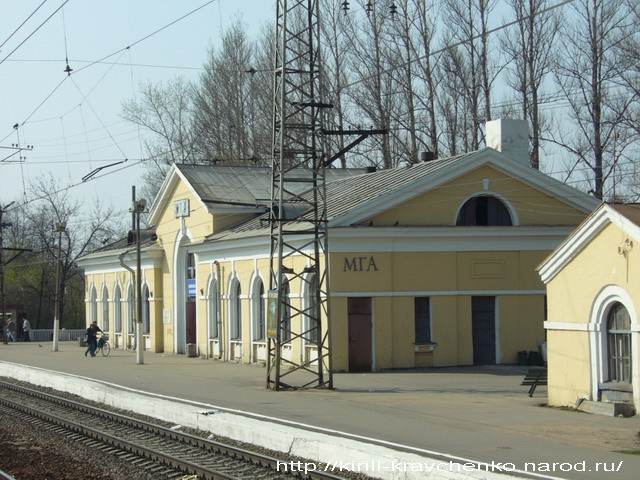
[138, 207]
[3, 225]
[59, 228]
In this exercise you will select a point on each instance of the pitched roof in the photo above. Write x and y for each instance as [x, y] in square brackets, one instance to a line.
[631, 211]
[228, 189]
[352, 200]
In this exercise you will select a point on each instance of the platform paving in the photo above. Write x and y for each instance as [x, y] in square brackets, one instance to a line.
[475, 413]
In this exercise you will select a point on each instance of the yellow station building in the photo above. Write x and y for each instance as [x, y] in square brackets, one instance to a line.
[593, 341]
[431, 264]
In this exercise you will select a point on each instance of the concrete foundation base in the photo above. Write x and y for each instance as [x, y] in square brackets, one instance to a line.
[612, 409]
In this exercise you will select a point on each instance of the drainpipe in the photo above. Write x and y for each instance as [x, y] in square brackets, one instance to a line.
[124, 265]
[218, 305]
[133, 274]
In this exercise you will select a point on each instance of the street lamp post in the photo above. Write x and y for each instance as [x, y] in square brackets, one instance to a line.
[59, 228]
[138, 208]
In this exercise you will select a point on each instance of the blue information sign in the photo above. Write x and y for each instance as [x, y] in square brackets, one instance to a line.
[191, 287]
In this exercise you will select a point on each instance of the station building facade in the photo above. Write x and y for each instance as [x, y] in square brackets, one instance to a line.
[593, 330]
[431, 264]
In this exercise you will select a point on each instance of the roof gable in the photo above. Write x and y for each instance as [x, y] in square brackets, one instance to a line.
[626, 217]
[355, 200]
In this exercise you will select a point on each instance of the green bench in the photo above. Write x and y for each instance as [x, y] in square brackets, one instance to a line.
[535, 376]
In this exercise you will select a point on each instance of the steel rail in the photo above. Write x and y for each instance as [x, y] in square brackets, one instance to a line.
[177, 461]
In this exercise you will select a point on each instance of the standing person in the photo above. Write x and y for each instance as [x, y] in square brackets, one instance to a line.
[11, 330]
[26, 329]
[92, 339]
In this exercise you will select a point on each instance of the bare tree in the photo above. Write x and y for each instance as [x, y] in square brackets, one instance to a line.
[230, 114]
[529, 48]
[426, 71]
[590, 80]
[164, 112]
[336, 42]
[34, 273]
[373, 95]
[467, 22]
[458, 124]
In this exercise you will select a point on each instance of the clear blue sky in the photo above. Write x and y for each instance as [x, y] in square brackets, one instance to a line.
[76, 128]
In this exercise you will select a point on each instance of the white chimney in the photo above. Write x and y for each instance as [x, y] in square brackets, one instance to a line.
[510, 137]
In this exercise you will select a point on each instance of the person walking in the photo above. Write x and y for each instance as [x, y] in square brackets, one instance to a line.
[92, 339]
[26, 329]
[11, 330]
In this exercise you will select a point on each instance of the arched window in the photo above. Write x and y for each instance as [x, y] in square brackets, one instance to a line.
[131, 309]
[212, 306]
[146, 311]
[619, 343]
[312, 310]
[484, 210]
[235, 310]
[93, 310]
[117, 309]
[105, 309]
[259, 315]
[285, 333]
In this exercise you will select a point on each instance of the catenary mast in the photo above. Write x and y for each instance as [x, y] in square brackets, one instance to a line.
[298, 216]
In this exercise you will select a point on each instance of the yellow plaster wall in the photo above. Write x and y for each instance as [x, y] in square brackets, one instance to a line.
[571, 294]
[520, 317]
[568, 360]
[444, 328]
[340, 333]
[440, 205]
[573, 290]
[152, 277]
[198, 225]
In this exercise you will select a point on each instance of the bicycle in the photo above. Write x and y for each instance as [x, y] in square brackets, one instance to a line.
[103, 346]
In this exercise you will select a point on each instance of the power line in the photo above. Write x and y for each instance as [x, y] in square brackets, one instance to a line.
[103, 58]
[22, 24]
[147, 36]
[33, 33]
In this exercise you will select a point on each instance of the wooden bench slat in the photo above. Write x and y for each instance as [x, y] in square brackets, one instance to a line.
[534, 377]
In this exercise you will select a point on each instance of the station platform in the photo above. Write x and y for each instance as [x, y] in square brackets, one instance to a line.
[427, 423]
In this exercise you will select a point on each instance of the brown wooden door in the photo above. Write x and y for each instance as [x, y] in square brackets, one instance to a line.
[359, 313]
[190, 323]
[483, 319]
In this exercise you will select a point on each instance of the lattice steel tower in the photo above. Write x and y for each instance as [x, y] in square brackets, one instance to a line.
[298, 216]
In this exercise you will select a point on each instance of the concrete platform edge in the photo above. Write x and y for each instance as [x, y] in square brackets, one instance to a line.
[368, 458]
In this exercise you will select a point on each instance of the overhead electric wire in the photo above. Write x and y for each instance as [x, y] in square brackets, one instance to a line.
[33, 33]
[38, 107]
[461, 42]
[105, 57]
[147, 36]
[22, 24]
[84, 99]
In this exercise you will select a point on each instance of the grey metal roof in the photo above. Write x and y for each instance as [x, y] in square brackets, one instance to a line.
[243, 185]
[350, 193]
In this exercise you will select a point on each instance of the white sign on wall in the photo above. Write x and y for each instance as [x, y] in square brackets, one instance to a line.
[166, 315]
[181, 208]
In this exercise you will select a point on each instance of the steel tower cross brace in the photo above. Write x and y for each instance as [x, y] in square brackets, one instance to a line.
[298, 216]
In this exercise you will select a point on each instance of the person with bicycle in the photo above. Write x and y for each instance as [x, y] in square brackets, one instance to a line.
[92, 339]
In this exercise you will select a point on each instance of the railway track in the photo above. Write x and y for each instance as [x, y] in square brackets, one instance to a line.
[162, 451]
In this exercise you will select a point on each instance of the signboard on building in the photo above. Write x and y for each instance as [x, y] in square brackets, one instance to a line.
[166, 315]
[272, 314]
[191, 287]
[181, 208]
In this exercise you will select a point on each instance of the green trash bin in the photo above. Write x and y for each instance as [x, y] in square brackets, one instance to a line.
[523, 358]
[535, 358]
